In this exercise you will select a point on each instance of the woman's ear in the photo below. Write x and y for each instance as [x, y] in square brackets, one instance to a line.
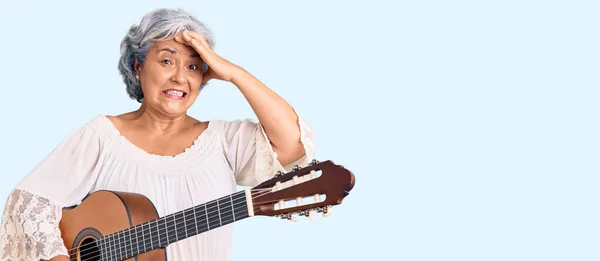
[136, 67]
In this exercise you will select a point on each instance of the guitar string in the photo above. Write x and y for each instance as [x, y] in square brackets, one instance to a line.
[177, 221]
[109, 256]
[169, 226]
[128, 247]
[157, 224]
[263, 191]
[119, 250]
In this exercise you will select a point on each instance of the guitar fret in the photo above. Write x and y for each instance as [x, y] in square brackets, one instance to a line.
[214, 218]
[119, 248]
[111, 246]
[175, 227]
[189, 222]
[107, 246]
[143, 238]
[104, 250]
[195, 221]
[185, 224]
[180, 230]
[150, 235]
[109, 251]
[114, 246]
[125, 243]
[122, 244]
[226, 215]
[137, 242]
[123, 247]
[232, 210]
[166, 230]
[206, 212]
[158, 233]
[100, 244]
[219, 213]
[132, 242]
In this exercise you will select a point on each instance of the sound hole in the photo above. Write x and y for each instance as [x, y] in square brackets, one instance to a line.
[89, 251]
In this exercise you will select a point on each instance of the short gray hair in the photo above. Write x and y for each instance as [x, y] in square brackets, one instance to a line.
[160, 24]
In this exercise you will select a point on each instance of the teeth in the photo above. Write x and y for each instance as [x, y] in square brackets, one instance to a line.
[174, 93]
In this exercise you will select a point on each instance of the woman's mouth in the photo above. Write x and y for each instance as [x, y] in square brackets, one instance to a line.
[175, 94]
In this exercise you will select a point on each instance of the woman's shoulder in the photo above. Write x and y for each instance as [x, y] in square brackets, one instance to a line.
[98, 126]
[229, 127]
[98, 122]
[226, 123]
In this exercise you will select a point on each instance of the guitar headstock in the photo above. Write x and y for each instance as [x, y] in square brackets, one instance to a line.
[317, 187]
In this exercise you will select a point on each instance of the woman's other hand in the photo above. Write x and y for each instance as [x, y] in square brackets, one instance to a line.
[218, 67]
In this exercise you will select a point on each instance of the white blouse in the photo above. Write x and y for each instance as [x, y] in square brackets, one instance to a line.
[96, 157]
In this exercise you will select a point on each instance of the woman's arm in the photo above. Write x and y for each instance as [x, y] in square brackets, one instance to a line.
[33, 208]
[278, 118]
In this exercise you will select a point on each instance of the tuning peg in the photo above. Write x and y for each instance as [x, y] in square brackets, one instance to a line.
[325, 210]
[314, 162]
[328, 211]
[287, 216]
[307, 214]
[279, 173]
[296, 167]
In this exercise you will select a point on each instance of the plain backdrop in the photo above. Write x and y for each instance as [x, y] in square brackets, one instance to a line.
[471, 126]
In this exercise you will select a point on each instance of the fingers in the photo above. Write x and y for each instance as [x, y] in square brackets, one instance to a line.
[192, 39]
[195, 39]
[179, 38]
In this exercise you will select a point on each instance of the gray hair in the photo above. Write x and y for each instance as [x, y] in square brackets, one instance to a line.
[160, 24]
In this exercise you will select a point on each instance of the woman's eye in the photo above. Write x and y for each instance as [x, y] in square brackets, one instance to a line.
[194, 67]
[166, 62]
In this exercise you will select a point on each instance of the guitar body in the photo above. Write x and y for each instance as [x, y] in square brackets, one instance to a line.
[103, 213]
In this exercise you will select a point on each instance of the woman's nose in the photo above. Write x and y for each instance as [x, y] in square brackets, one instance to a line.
[179, 76]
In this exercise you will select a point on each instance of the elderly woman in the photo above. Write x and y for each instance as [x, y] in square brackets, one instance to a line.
[159, 150]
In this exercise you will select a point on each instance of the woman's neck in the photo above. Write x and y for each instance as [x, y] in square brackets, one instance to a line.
[159, 123]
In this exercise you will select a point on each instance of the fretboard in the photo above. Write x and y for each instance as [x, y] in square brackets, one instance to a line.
[174, 227]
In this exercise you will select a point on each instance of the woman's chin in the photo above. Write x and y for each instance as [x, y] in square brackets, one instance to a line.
[168, 107]
[174, 109]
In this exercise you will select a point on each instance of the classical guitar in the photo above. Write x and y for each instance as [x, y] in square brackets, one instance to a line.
[112, 225]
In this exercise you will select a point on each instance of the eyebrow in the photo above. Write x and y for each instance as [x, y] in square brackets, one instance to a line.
[194, 55]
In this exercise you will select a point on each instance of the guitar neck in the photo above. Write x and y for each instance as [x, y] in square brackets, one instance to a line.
[174, 227]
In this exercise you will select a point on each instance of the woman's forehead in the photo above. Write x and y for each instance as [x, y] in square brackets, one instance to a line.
[173, 47]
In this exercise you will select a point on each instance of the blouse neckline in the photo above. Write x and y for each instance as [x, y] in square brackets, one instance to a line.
[143, 153]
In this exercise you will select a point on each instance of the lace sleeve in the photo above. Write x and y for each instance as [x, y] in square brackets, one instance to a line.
[265, 160]
[29, 228]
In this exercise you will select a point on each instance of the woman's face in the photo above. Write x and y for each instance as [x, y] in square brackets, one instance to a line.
[170, 77]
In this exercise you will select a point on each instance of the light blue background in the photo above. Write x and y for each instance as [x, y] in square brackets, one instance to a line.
[472, 126]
